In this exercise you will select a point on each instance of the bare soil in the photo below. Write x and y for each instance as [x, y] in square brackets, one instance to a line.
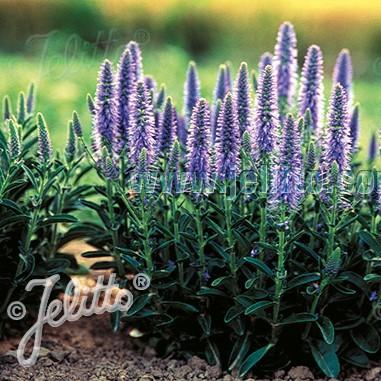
[88, 350]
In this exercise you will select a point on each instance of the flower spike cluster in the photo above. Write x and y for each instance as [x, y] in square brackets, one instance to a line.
[285, 64]
[142, 125]
[337, 146]
[228, 141]
[265, 59]
[106, 112]
[266, 116]
[198, 145]
[191, 91]
[168, 128]
[343, 73]
[287, 177]
[311, 90]
[125, 84]
[242, 98]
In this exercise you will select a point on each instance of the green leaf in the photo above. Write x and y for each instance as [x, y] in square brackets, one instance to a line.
[302, 279]
[239, 351]
[9, 204]
[95, 254]
[222, 280]
[303, 317]
[139, 303]
[180, 306]
[253, 359]
[308, 251]
[371, 241]
[258, 307]
[58, 218]
[372, 278]
[232, 313]
[205, 291]
[356, 357]
[327, 329]
[326, 358]
[261, 266]
[366, 337]
[205, 323]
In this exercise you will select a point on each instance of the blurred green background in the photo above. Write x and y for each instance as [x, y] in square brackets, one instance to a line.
[59, 45]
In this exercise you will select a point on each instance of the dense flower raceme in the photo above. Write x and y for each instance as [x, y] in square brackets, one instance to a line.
[106, 117]
[337, 145]
[142, 125]
[285, 64]
[228, 141]
[343, 72]
[45, 150]
[372, 152]
[168, 127]
[311, 89]
[355, 127]
[242, 98]
[126, 80]
[191, 91]
[265, 59]
[136, 57]
[198, 144]
[287, 178]
[266, 123]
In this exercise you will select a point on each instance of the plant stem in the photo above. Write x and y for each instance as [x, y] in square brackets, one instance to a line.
[114, 232]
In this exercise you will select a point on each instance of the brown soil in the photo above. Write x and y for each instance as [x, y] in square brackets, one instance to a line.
[87, 350]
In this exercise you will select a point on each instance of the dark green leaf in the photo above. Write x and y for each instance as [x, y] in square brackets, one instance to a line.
[326, 358]
[327, 329]
[253, 359]
[366, 337]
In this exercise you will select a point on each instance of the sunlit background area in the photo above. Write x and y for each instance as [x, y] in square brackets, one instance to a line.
[59, 45]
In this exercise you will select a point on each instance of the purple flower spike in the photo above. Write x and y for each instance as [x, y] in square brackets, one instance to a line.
[198, 166]
[150, 83]
[343, 73]
[168, 128]
[242, 98]
[285, 64]
[106, 112]
[354, 127]
[126, 80]
[45, 151]
[182, 132]
[265, 59]
[31, 99]
[216, 114]
[337, 146]
[77, 127]
[221, 84]
[286, 185]
[191, 91]
[90, 104]
[311, 89]
[372, 153]
[228, 141]
[266, 116]
[160, 98]
[228, 77]
[7, 110]
[136, 56]
[142, 125]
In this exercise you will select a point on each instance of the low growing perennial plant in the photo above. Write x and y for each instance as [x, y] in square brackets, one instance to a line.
[258, 227]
